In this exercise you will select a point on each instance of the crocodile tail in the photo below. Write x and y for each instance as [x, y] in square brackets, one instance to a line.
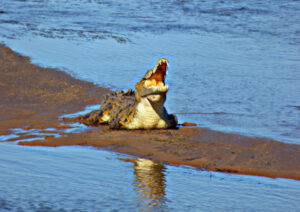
[103, 117]
[96, 118]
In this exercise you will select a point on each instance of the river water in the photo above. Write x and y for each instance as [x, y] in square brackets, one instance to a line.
[235, 67]
[87, 179]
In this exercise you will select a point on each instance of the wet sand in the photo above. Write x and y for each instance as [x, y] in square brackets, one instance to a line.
[33, 98]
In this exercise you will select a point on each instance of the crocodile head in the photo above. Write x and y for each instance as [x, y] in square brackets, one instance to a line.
[152, 85]
[143, 109]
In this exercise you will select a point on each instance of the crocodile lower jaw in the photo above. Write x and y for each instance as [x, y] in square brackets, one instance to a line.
[154, 97]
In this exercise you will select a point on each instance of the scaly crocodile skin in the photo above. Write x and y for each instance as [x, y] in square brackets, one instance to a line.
[139, 109]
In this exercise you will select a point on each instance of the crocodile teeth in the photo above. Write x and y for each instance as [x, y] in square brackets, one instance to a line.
[161, 61]
[154, 69]
[164, 89]
[160, 84]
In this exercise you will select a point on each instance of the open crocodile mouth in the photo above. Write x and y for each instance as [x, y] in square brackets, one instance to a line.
[156, 78]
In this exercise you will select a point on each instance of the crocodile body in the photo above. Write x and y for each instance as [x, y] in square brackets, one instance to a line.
[142, 108]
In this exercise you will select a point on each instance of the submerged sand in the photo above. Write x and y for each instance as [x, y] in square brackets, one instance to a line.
[33, 98]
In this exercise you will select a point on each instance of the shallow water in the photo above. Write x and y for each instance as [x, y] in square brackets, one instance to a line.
[234, 66]
[87, 179]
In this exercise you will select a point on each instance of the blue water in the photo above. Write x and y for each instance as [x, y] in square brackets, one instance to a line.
[87, 179]
[235, 67]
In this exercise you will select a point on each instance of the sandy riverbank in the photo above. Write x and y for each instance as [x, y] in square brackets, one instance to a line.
[33, 98]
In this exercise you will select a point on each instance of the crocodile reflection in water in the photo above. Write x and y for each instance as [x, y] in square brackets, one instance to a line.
[150, 183]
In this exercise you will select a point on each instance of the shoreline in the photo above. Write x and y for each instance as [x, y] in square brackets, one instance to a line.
[33, 98]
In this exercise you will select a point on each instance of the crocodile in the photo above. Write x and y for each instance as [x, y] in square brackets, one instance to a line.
[142, 108]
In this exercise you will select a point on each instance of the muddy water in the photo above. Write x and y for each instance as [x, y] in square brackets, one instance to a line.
[234, 67]
[86, 179]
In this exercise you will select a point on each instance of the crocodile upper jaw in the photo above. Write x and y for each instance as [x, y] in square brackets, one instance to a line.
[155, 81]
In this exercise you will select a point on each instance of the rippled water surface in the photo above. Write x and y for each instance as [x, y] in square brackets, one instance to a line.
[86, 179]
[235, 66]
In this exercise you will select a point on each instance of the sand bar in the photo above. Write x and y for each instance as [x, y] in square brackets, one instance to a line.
[33, 98]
